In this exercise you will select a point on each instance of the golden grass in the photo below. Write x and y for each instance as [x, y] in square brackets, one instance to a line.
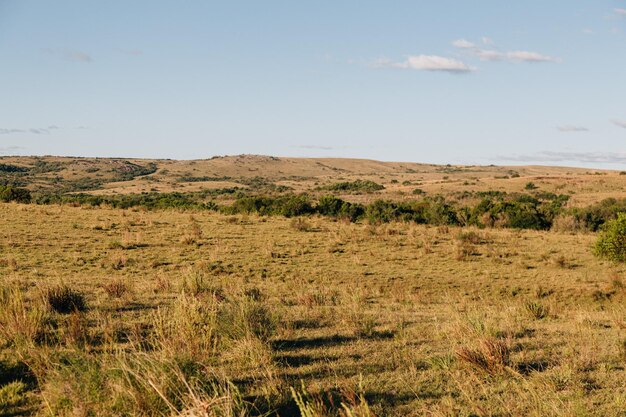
[373, 320]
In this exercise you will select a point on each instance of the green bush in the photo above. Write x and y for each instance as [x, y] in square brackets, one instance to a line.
[611, 243]
[364, 186]
[9, 193]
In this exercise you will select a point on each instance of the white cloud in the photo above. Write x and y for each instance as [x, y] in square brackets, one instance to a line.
[494, 55]
[619, 123]
[463, 44]
[584, 157]
[488, 55]
[69, 55]
[432, 63]
[569, 128]
[525, 56]
[620, 11]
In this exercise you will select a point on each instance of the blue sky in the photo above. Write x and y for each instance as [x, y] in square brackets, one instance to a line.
[442, 81]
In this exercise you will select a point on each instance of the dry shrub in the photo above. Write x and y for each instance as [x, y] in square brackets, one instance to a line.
[116, 288]
[76, 331]
[319, 298]
[20, 323]
[567, 224]
[470, 237]
[463, 251]
[118, 262]
[300, 224]
[63, 299]
[490, 355]
[537, 310]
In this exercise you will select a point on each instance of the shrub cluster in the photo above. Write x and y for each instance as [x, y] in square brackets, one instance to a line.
[9, 193]
[611, 243]
[358, 186]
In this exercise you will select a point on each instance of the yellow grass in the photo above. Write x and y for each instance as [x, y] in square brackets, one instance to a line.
[394, 314]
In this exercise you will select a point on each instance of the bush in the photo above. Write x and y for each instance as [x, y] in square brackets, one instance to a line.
[9, 193]
[611, 243]
[65, 300]
[358, 186]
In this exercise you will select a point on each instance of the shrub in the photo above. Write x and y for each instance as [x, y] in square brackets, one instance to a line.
[116, 289]
[537, 310]
[65, 300]
[330, 205]
[301, 225]
[357, 186]
[611, 243]
[19, 195]
[491, 356]
[12, 395]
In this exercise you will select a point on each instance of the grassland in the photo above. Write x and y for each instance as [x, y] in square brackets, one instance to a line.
[195, 312]
[409, 319]
[107, 176]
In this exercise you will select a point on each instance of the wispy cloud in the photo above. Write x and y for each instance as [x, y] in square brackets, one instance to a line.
[33, 130]
[619, 123]
[494, 55]
[620, 11]
[427, 63]
[133, 52]
[6, 150]
[558, 156]
[463, 44]
[570, 128]
[69, 55]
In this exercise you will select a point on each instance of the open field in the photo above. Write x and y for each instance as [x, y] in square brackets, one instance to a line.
[410, 319]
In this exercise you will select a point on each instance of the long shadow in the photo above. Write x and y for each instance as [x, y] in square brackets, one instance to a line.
[10, 372]
[302, 360]
[311, 343]
[132, 307]
[326, 341]
[296, 375]
[526, 368]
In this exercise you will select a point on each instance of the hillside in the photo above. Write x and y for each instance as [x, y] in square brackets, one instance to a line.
[108, 176]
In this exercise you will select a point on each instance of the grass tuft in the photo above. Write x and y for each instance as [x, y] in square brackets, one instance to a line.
[64, 300]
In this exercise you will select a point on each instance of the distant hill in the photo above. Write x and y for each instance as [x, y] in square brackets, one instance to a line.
[400, 179]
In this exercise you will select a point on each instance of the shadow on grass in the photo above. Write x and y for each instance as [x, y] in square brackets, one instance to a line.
[326, 341]
[17, 371]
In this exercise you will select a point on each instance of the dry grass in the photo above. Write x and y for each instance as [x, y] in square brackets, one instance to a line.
[373, 320]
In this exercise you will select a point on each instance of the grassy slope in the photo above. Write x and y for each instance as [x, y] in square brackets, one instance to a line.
[304, 174]
[385, 306]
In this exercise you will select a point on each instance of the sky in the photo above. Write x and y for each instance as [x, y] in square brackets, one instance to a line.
[480, 82]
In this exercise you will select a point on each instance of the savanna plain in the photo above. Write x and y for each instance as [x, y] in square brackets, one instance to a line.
[121, 310]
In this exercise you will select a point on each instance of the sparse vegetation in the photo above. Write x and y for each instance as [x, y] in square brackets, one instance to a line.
[290, 303]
